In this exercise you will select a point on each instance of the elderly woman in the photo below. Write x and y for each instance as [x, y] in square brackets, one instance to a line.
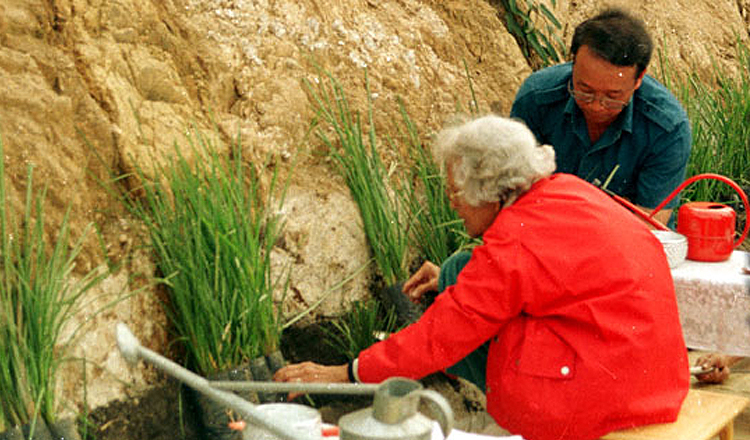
[571, 292]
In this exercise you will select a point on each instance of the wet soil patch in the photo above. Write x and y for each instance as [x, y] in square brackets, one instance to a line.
[164, 412]
[168, 411]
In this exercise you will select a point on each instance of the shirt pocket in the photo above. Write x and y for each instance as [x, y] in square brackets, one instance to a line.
[544, 354]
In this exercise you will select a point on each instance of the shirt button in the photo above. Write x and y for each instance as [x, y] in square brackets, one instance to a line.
[565, 370]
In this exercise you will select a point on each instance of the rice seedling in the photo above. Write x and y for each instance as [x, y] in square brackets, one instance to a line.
[38, 296]
[435, 229]
[362, 326]
[212, 229]
[414, 212]
[354, 150]
[719, 111]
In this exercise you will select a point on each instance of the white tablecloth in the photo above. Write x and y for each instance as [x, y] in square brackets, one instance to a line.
[714, 303]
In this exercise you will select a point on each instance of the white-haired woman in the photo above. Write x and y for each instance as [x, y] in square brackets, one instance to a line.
[570, 294]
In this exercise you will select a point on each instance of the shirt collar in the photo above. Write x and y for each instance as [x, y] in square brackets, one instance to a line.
[626, 117]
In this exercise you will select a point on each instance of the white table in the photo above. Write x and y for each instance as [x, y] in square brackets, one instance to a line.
[714, 303]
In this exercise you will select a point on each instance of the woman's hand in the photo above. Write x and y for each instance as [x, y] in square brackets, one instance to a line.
[311, 372]
[423, 281]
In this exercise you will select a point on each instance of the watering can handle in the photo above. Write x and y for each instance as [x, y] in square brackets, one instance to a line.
[446, 413]
[720, 178]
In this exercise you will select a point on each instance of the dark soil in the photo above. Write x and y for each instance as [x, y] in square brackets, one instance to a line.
[169, 411]
[165, 412]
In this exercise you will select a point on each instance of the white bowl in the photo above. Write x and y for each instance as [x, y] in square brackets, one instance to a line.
[298, 417]
[674, 244]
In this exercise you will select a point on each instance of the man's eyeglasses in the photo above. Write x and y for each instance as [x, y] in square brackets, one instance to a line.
[588, 98]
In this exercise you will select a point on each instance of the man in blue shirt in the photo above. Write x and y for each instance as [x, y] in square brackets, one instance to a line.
[610, 122]
[607, 120]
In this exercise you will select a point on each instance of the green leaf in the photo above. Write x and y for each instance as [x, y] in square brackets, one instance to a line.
[549, 48]
[513, 27]
[539, 50]
[550, 16]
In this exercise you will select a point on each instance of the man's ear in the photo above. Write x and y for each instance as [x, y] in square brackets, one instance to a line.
[639, 80]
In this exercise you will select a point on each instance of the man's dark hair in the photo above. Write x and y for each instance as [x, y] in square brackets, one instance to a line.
[616, 36]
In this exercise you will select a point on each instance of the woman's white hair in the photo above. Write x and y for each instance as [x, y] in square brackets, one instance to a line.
[493, 158]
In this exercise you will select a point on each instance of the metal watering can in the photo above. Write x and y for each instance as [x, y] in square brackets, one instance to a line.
[709, 227]
[393, 416]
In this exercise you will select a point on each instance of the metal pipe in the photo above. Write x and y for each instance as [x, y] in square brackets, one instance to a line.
[132, 350]
[296, 387]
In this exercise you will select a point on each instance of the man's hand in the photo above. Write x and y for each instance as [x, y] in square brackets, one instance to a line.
[661, 216]
[720, 364]
[423, 281]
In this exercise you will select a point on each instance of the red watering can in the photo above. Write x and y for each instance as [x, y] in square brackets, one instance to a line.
[709, 227]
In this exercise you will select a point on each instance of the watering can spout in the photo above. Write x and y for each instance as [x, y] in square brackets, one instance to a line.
[127, 343]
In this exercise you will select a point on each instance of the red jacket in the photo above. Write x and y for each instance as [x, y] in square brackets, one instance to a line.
[576, 296]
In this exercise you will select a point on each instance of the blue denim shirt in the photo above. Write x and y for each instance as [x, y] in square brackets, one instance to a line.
[650, 140]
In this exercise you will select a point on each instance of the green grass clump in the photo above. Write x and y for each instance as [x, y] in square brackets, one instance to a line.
[354, 150]
[436, 231]
[359, 328]
[212, 230]
[400, 214]
[719, 112]
[38, 296]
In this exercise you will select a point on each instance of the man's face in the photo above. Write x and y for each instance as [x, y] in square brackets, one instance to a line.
[477, 219]
[610, 86]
